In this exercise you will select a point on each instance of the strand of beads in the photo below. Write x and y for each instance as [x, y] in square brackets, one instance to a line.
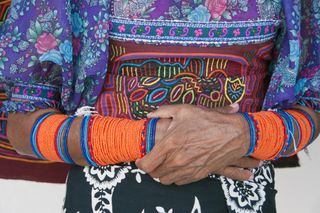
[272, 133]
[103, 140]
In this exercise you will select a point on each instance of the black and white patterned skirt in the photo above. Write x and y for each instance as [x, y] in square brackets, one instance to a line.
[125, 189]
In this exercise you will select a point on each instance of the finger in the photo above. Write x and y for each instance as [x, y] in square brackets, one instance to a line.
[188, 180]
[175, 176]
[166, 111]
[233, 108]
[167, 167]
[162, 170]
[153, 159]
[173, 160]
[236, 174]
[248, 163]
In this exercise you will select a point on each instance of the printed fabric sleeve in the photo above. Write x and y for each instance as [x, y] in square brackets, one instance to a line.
[50, 54]
[296, 70]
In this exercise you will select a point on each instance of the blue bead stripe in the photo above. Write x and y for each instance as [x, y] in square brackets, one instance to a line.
[33, 135]
[65, 140]
[288, 123]
[253, 137]
[84, 141]
[151, 133]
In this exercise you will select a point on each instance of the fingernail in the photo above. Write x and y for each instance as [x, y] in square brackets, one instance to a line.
[261, 163]
[251, 178]
[234, 105]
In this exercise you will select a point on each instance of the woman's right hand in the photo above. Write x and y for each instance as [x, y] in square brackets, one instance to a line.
[161, 129]
[237, 171]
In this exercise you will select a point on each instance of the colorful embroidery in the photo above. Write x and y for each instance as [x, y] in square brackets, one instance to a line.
[214, 33]
[44, 93]
[140, 82]
[4, 8]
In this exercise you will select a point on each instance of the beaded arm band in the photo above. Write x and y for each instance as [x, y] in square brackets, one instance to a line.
[272, 133]
[103, 140]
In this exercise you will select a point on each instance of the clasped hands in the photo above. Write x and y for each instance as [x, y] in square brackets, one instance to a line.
[193, 142]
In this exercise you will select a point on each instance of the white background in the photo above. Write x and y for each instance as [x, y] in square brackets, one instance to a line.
[299, 190]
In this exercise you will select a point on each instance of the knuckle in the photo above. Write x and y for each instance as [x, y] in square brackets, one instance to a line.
[179, 183]
[145, 167]
[199, 175]
[153, 174]
[182, 182]
[233, 174]
[165, 181]
[179, 161]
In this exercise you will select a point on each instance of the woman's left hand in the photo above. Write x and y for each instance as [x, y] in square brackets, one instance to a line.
[198, 142]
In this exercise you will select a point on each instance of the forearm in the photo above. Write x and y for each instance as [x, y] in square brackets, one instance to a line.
[20, 127]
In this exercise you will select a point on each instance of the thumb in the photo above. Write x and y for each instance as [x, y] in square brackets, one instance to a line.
[152, 160]
[167, 111]
[248, 162]
[236, 174]
[233, 108]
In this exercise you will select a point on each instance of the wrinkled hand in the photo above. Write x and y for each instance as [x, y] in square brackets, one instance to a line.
[199, 142]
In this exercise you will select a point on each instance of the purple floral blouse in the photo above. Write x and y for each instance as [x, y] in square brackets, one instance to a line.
[55, 53]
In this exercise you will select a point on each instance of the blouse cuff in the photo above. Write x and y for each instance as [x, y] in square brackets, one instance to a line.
[311, 103]
[29, 97]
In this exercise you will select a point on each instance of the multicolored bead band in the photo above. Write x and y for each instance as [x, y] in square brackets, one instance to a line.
[274, 133]
[103, 140]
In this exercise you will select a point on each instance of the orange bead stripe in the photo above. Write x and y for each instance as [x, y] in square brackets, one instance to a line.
[272, 133]
[270, 140]
[47, 134]
[110, 140]
[115, 140]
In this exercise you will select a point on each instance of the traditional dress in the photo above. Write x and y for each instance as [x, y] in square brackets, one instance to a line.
[127, 58]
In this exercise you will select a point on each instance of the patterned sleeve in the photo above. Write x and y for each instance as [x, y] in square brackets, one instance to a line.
[296, 70]
[50, 54]
[307, 88]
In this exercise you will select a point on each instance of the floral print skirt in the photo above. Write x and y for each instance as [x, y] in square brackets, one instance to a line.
[125, 189]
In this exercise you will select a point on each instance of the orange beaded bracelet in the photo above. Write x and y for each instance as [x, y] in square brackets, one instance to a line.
[273, 129]
[115, 140]
[104, 140]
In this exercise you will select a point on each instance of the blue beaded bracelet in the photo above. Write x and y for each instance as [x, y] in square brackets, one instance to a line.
[253, 132]
[59, 139]
[151, 133]
[288, 124]
[63, 148]
[84, 141]
[65, 140]
[33, 135]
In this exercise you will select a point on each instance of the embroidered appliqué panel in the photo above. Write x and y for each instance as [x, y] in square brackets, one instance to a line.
[139, 82]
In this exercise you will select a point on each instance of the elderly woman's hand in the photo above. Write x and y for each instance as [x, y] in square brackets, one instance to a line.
[199, 142]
